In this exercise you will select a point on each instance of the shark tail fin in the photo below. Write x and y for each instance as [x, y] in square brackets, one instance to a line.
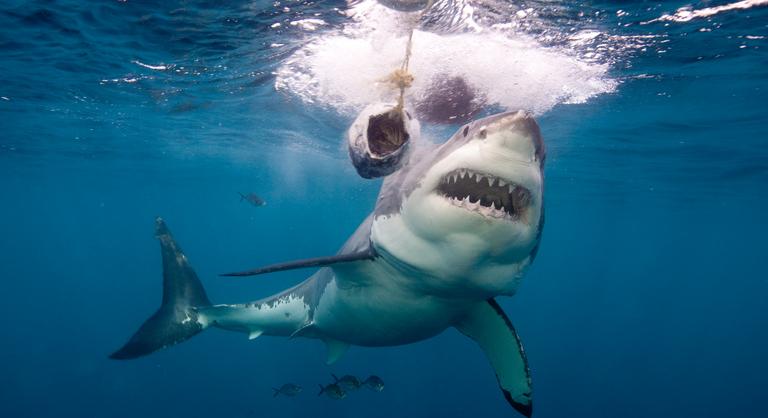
[277, 392]
[335, 378]
[242, 196]
[322, 389]
[177, 319]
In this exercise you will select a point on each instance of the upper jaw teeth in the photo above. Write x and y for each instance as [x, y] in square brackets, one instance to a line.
[463, 173]
[473, 200]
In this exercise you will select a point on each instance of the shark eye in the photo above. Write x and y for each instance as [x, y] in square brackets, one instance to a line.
[482, 134]
[466, 131]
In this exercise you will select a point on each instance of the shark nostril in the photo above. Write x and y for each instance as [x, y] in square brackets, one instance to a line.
[482, 134]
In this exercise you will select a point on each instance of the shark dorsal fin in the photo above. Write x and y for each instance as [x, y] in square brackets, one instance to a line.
[367, 254]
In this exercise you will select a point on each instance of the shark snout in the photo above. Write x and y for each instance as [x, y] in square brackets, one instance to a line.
[515, 131]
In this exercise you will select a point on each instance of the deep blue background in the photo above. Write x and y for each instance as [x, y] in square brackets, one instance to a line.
[649, 296]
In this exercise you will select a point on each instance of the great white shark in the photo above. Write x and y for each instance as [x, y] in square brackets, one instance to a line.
[453, 229]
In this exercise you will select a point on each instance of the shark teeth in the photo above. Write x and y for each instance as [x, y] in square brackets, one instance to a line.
[485, 194]
[492, 212]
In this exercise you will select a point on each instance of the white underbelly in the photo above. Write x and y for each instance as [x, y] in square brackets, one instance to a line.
[382, 312]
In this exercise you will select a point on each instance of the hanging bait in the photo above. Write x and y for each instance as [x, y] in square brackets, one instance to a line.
[379, 139]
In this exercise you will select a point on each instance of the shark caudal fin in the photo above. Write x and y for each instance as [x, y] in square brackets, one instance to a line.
[177, 318]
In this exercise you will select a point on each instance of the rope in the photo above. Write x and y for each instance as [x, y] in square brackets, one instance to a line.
[401, 78]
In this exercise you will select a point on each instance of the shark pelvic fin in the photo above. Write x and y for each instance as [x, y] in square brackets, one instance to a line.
[305, 331]
[255, 334]
[336, 349]
[367, 254]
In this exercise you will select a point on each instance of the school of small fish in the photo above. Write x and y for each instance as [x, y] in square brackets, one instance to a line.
[337, 389]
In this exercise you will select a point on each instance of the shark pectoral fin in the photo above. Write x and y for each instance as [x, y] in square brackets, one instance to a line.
[336, 349]
[255, 334]
[367, 254]
[489, 327]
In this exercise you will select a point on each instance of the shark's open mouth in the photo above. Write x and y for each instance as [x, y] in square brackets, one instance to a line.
[486, 194]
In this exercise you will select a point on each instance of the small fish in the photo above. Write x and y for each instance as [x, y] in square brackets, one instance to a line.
[374, 383]
[347, 382]
[253, 199]
[288, 389]
[333, 391]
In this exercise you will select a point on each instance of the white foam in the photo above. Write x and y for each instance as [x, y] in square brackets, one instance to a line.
[344, 69]
[308, 24]
[686, 14]
[160, 67]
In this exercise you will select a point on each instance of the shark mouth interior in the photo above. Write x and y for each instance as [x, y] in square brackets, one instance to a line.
[483, 193]
[386, 133]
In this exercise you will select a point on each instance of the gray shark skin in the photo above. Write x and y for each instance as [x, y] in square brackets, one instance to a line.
[455, 227]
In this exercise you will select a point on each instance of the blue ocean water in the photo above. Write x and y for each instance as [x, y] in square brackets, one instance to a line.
[649, 296]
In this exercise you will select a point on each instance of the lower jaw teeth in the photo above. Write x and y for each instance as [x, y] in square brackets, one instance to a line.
[477, 207]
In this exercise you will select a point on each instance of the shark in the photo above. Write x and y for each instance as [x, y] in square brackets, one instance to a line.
[452, 230]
